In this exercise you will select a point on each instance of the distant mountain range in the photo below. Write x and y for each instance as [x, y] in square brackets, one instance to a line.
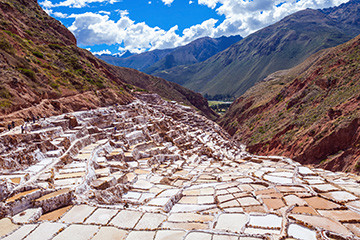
[158, 60]
[119, 55]
[279, 46]
[310, 113]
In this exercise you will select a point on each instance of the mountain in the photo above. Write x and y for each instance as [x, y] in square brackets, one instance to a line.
[158, 60]
[137, 61]
[310, 113]
[122, 55]
[42, 72]
[280, 46]
[117, 55]
[194, 52]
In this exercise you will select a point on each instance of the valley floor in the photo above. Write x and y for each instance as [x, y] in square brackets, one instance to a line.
[157, 170]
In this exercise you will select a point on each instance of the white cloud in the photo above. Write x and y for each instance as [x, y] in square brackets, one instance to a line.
[106, 51]
[240, 17]
[210, 3]
[48, 11]
[104, 12]
[123, 13]
[167, 2]
[93, 28]
[56, 14]
[246, 16]
[60, 15]
[74, 3]
[206, 28]
[46, 4]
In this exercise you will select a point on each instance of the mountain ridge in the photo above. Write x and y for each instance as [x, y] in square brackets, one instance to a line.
[158, 60]
[279, 46]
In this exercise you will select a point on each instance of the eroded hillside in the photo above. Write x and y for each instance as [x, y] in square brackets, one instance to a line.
[309, 113]
[41, 66]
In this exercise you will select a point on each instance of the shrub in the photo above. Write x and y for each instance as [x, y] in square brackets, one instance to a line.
[9, 33]
[140, 90]
[4, 93]
[28, 32]
[4, 104]
[74, 63]
[97, 83]
[55, 47]
[38, 54]
[80, 72]
[54, 85]
[4, 23]
[261, 129]
[128, 86]
[67, 74]
[6, 46]
[28, 72]
[357, 166]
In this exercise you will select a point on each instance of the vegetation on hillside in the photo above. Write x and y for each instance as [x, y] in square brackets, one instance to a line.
[310, 113]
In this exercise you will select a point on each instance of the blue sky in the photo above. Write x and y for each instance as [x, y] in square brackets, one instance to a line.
[114, 26]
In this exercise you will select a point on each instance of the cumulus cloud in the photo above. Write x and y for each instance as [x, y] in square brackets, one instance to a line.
[74, 3]
[167, 2]
[246, 16]
[206, 28]
[94, 28]
[60, 15]
[210, 3]
[240, 17]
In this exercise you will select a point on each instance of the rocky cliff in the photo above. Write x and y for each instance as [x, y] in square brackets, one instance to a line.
[42, 72]
[310, 113]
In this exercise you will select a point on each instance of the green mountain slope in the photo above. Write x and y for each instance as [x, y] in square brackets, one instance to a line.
[279, 46]
[309, 113]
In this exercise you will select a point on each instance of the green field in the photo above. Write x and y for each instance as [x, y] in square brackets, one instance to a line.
[219, 106]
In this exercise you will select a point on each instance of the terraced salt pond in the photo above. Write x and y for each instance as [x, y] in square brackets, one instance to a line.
[165, 173]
